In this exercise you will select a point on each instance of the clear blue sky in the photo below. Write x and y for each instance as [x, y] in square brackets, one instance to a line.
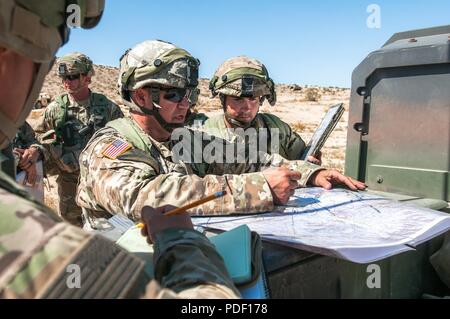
[315, 43]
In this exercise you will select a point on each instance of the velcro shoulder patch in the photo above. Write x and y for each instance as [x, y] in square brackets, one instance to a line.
[115, 149]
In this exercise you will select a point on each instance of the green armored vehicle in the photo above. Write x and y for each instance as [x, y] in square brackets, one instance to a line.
[398, 143]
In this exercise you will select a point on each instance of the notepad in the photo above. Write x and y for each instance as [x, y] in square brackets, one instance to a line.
[234, 246]
[135, 243]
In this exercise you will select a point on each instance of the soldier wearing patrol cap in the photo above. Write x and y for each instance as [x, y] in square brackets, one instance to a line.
[36, 247]
[242, 84]
[131, 161]
[69, 122]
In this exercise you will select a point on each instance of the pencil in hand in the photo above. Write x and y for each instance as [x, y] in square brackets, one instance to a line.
[196, 203]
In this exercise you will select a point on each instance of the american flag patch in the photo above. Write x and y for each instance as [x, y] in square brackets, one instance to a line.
[115, 149]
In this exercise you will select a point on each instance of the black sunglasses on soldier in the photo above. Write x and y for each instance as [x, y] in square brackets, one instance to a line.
[175, 95]
[71, 77]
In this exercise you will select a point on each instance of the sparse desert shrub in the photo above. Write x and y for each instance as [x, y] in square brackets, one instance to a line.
[295, 87]
[298, 126]
[312, 94]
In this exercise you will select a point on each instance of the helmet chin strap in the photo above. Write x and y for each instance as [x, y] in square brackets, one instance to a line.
[9, 127]
[169, 127]
[238, 123]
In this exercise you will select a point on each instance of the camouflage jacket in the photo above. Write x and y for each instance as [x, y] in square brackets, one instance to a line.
[144, 173]
[25, 137]
[284, 141]
[42, 257]
[66, 126]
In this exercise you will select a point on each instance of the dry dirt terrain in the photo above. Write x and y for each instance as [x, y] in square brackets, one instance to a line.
[294, 106]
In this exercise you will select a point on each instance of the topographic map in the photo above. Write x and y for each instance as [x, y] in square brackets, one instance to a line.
[355, 226]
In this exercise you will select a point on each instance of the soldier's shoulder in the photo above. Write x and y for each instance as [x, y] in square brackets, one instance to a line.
[195, 119]
[105, 135]
[215, 117]
[23, 222]
[60, 99]
[215, 121]
[269, 116]
[54, 106]
[13, 206]
[35, 248]
[102, 99]
[273, 120]
[107, 142]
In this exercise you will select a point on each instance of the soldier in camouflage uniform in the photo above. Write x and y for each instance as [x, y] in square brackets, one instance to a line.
[69, 122]
[27, 151]
[129, 163]
[37, 249]
[243, 84]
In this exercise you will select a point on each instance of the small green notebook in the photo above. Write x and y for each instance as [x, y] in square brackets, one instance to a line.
[234, 246]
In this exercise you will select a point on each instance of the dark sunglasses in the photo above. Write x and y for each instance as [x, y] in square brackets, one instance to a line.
[71, 77]
[175, 95]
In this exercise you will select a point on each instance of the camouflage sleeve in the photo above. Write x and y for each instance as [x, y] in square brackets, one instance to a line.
[187, 263]
[31, 141]
[42, 257]
[305, 168]
[126, 185]
[44, 125]
[28, 136]
[263, 161]
[33, 246]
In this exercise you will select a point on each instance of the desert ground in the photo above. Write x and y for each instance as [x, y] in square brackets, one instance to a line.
[301, 106]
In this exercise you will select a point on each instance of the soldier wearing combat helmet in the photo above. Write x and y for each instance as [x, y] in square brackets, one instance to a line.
[69, 122]
[242, 84]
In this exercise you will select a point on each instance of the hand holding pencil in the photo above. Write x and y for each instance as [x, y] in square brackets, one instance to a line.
[156, 221]
[196, 203]
[159, 219]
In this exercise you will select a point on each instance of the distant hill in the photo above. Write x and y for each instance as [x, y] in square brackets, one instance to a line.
[105, 81]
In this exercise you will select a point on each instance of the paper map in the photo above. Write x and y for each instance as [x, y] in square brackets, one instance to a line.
[355, 226]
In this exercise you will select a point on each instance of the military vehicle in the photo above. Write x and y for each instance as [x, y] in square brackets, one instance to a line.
[398, 143]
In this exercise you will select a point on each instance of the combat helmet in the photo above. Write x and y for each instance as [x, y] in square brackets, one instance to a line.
[243, 76]
[155, 64]
[37, 29]
[73, 64]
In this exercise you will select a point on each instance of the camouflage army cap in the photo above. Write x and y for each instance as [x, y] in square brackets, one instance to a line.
[37, 29]
[156, 63]
[75, 63]
[243, 76]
